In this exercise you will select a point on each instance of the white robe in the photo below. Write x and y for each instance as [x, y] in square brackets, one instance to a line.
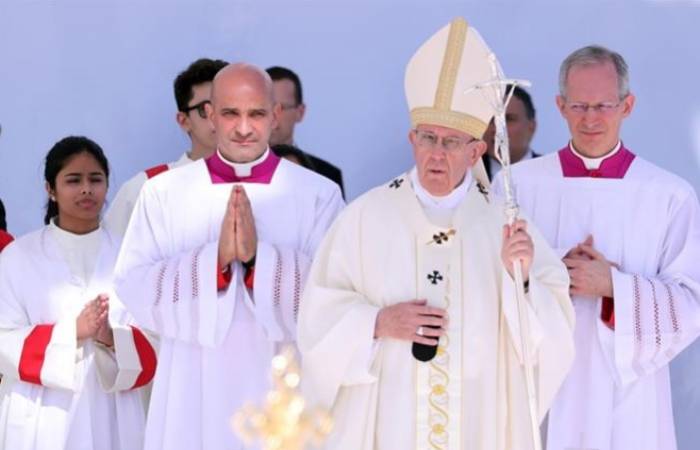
[216, 347]
[383, 250]
[58, 393]
[116, 219]
[617, 396]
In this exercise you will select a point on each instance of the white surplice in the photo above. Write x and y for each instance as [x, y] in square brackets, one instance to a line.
[216, 347]
[56, 392]
[386, 248]
[116, 219]
[617, 396]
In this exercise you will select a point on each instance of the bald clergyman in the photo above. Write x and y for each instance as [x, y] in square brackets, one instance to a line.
[213, 262]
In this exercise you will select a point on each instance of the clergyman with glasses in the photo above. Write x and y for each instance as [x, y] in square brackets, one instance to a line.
[408, 327]
[629, 234]
[192, 93]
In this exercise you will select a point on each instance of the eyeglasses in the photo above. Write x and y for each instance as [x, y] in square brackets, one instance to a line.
[580, 108]
[201, 110]
[429, 140]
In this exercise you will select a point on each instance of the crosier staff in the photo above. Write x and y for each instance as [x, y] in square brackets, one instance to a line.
[494, 90]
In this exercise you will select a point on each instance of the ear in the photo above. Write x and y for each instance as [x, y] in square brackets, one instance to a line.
[476, 151]
[50, 192]
[301, 110]
[628, 105]
[183, 121]
[532, 127]
[209, 109]
[276, 112]
[561, 103]
[412, 137]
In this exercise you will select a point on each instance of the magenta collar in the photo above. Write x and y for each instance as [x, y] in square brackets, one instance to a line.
[220, 172]
[613, 167]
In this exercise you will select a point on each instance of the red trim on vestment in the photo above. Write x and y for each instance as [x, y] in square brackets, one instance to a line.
[223, 279]
[5, 239]
[33, 353]
[156, 170]
[147, 357]
[607, 312]
[249, 279]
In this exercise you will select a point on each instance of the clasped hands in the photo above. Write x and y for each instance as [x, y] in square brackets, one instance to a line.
[93, 321]
[589, 271]
[238, 240]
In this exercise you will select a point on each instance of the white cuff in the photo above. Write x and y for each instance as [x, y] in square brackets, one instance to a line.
[61, 356]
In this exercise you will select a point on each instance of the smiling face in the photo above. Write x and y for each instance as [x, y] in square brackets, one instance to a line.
[80, 188]
[243, 112]
[594, 132]
[441, 170]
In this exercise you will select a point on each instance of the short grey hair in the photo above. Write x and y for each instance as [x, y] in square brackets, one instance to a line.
[594, 55]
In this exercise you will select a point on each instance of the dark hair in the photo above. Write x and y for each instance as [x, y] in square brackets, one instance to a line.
[201, 71]
[282, 73]
[283, 150]
[527, 101]
[3, 222]
[57, 158]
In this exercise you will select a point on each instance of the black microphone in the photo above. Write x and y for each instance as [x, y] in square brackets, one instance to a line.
[424, 352]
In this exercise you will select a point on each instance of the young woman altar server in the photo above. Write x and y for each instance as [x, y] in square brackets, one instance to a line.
[71, 358]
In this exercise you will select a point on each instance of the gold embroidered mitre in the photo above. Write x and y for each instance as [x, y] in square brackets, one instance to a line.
[440, 80]
[452, 61]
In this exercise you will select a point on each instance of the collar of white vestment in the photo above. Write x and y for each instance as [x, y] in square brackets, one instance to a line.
[612, 165]
[260, 170]
[72, 240]
[449, 201]
[469, 210]
[594, 163]
[439, 209]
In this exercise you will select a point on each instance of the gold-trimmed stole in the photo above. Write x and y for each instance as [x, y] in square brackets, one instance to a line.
[439, 381]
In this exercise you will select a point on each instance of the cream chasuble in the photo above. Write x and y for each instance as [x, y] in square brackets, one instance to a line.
[383, 250]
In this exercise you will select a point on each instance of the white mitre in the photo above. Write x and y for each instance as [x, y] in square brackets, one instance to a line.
[440, 81]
